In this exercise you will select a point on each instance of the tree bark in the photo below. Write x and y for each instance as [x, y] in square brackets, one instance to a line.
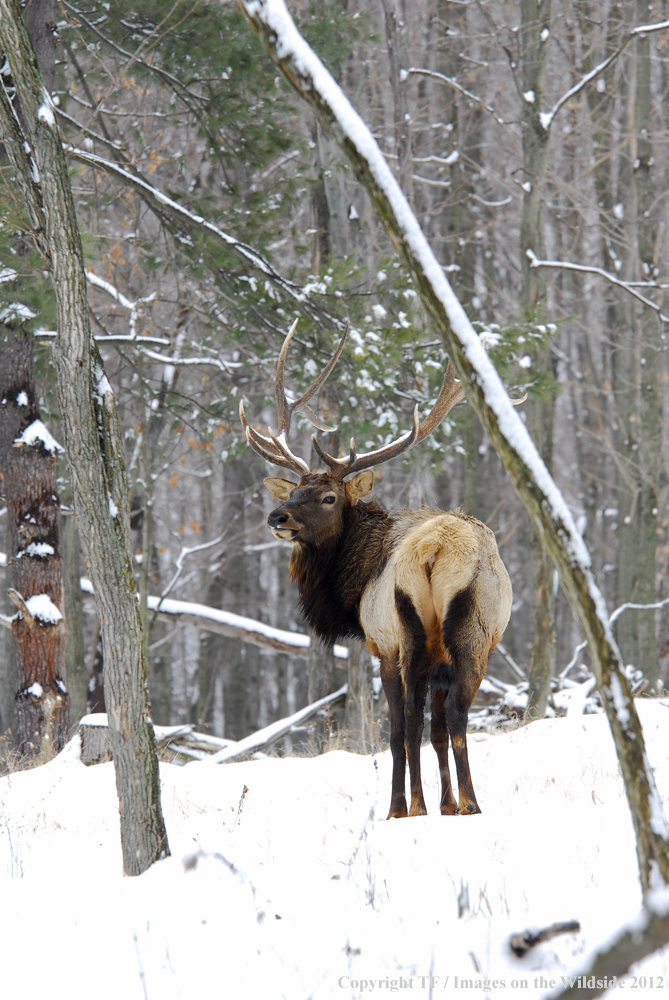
[41, 702]
[535, 20]
[94, 450]
[320, 671]
[75, 657]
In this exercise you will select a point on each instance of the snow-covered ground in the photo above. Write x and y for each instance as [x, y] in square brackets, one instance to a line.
[286, 881]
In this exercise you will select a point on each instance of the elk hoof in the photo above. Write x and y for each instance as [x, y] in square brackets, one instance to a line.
[469, 809]
[398, 811]
[449, 809]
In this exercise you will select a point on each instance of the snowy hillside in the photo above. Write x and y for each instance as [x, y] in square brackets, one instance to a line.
[298, 887]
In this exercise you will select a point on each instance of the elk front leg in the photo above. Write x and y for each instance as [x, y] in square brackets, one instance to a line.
[392, 686]
[439, 737]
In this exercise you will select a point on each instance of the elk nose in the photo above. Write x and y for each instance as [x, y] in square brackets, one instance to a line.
[277, 518]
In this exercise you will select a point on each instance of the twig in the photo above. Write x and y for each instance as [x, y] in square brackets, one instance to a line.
[452, 82]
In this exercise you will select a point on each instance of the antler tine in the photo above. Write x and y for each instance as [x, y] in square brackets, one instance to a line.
[270, 448]
[299, 403]
[281, 445]
[450, 393]
[342, 467]
[283, 408]
[274, 457]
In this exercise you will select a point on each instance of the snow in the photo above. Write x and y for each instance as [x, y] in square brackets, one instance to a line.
[298, 887]
[45, 112]
[36, 431]
[22, 398]
[39, 550]
[41, 606]
[35, 689]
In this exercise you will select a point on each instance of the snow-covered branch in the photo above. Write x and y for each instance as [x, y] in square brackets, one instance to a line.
[452, 82]
[270, 734]
[639, 32]
[162, 203]
[627, 286]
[230, 625]
[224, 366]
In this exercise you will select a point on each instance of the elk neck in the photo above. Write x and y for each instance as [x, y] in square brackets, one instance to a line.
[331, 579]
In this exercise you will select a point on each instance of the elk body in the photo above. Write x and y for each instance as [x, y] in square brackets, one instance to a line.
[426, 589]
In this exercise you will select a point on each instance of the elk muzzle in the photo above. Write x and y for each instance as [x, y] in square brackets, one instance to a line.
[282, 524]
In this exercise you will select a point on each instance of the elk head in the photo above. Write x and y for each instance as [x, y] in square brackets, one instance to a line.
[313, 509]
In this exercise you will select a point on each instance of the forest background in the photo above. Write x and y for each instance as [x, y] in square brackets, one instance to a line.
[182, 136]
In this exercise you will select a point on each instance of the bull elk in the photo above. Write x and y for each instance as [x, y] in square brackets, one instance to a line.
[425, 588]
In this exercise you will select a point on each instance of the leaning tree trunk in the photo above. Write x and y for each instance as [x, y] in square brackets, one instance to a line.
[486, 395]
[93, 444]
[28, 457]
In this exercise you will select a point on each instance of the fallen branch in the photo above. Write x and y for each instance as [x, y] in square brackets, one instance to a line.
[270, 734]
[521, 943]
[229, 625]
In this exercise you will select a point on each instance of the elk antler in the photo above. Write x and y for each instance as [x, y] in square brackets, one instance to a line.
[275, 447]
[450, 393]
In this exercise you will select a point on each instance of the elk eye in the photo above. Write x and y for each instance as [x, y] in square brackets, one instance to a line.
[329, 499]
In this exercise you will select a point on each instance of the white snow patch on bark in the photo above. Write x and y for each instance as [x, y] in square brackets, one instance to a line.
[41, 606]
[35, 689]
[22, 398]
[36, 432]
[45, 113]
[39, 550]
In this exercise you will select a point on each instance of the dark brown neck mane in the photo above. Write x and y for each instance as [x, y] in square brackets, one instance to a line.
[332, 579]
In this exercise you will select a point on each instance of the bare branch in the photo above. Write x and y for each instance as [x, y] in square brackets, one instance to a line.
[163, 204]
[627, 286]
[639, 32]
[452, 82]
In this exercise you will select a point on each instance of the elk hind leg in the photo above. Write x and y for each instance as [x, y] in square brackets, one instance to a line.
[440, 684]
[392, 686]
[468, 644]
[415, 669]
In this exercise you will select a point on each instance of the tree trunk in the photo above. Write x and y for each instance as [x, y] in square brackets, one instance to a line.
[94, 450]
[320, 669]
[536, 18]
[358, 720]
[41, 709]
[75, 657]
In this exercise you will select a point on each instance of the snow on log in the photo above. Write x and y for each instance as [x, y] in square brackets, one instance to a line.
[230, 625]
[270, 734]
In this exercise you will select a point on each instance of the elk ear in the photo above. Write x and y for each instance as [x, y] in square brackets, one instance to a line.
[281, 488]
[360, 485]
